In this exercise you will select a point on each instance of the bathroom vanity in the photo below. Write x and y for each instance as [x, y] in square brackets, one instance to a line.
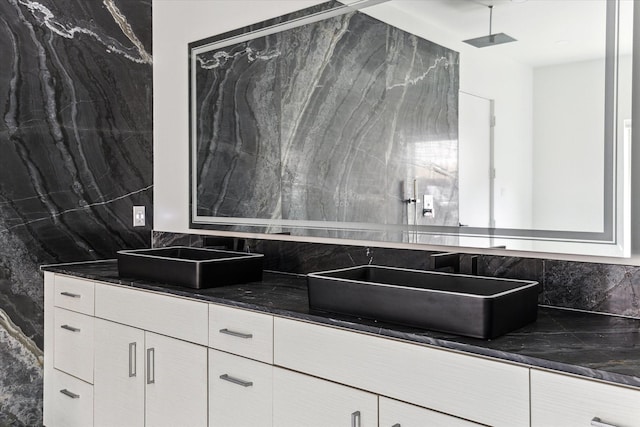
[121, 352]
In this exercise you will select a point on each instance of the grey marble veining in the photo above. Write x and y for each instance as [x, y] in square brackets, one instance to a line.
[599, 287]
[75, 138]
[586, 344]
[603, 288]
[328, 122]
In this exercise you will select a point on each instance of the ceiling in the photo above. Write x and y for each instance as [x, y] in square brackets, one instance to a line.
[547, 31]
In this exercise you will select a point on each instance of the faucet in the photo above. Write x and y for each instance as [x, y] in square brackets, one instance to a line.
[226, 243]
[450, 262]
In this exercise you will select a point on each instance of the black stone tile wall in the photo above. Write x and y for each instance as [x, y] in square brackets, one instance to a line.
[604, 288]
[75, 156]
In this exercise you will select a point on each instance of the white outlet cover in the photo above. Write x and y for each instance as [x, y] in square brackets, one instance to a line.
[139, 216]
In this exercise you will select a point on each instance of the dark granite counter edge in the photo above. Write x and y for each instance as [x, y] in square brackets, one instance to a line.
[529, 361]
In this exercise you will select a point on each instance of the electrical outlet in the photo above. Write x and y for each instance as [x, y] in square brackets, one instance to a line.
[139, 216]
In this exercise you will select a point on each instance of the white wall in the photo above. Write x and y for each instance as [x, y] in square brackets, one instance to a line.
[175, 24]
[568, 153]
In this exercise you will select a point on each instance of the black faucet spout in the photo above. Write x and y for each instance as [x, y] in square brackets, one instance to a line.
[450, 262]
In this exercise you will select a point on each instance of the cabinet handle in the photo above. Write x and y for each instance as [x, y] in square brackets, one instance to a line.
[70, 328]
[235, 334]
[355, 419]
[70, 394]
[596, 422]
[132, 359]
[69, 294]
[236, 380]
[151, 365]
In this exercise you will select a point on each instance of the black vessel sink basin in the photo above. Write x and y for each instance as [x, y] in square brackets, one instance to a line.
[474, 306]
[191, 267]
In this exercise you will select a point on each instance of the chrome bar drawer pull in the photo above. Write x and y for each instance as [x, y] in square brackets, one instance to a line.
[151, 368]
[355, 419]
[70, 394]
[596, 422]
[69, 294]
[132, 360]
[236, 380]
[70, 328]
[235, 334]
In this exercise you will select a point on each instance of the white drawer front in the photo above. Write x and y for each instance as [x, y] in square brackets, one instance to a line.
[301, 400]
[469, 387]
[560, 400]
[72, 402]
[166, 315]
[241, 332]
[243, 397]
[73, 345]
[393, 413]
[74, 294]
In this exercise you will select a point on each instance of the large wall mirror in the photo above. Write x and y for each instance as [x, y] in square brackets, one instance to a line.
[443, 122]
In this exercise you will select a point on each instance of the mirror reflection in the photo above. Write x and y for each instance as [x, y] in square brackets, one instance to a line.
[384, 120]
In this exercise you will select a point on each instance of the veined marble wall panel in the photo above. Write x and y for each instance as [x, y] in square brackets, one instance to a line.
[75, 155]
[326, 122]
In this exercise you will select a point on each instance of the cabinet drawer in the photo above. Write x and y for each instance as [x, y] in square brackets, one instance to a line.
[241, 332]
[393, 413]
[473, 388]
[72, 402]
[567, 401]
[302, 400]
[73, 345]
[74, 294]
[166, 315]
[240, 391]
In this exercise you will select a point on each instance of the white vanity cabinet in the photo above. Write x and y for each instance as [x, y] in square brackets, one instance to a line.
[562, 400]
[161, 378]
[476, 389]
[121, 356]
[127, 357]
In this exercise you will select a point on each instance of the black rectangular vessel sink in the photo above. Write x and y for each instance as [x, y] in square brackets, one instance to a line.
[473, 306]
[191, 267]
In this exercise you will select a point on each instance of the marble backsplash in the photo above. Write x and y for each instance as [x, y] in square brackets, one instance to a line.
[603, 288]
[76, 154]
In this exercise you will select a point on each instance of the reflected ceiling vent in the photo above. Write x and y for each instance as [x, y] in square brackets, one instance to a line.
[491, 39]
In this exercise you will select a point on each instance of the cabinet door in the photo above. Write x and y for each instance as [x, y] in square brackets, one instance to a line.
[119, 375]
[301, 400]
[240, 391]
[399, 414]
[561, 400]
[176, 382]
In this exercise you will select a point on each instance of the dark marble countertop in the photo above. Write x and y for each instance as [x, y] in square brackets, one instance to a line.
[586, 344]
